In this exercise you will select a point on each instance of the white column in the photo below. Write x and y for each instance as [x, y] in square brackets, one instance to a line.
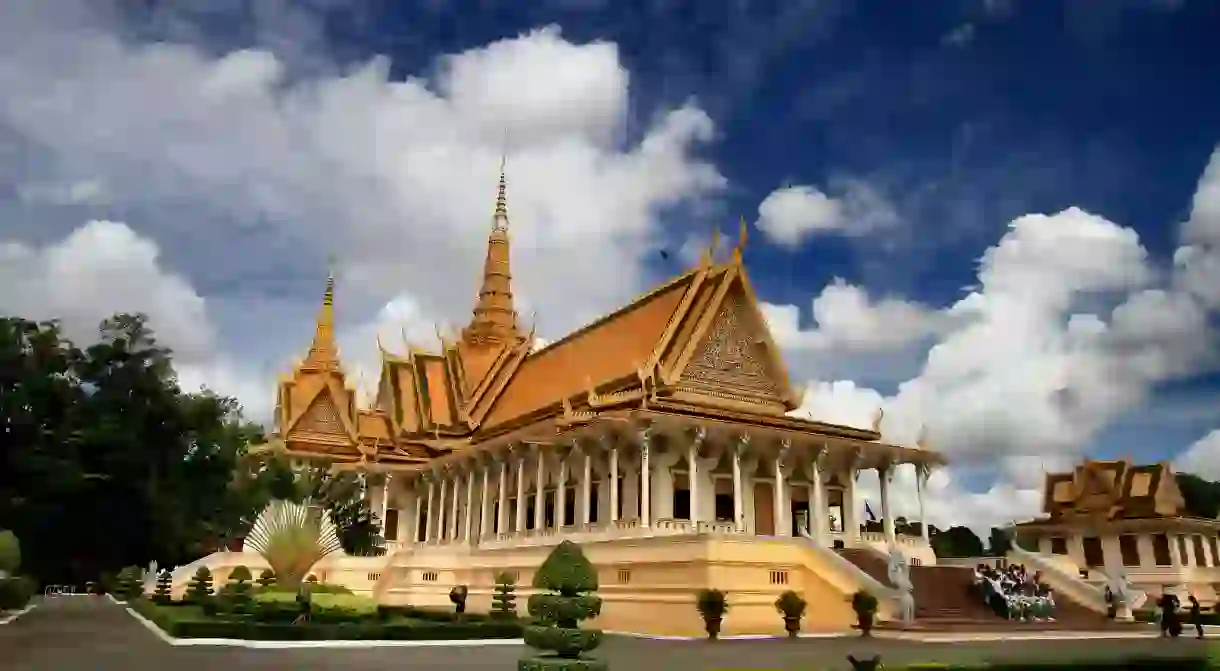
[782, 526]
[539, 500]
[645, 479]
[385, 503]
[586, 485]
[886, 476]
[441, 526]
[692, 473]
[502, 513]
[429, 527]
[485, 504]
[416, 517]
[453, 517]
[469, 518]
[739, 504]
[613, 483]
[922, 471]
[561, 493]
[817, 516]
[519, 521]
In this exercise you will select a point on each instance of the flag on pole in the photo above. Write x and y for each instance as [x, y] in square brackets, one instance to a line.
[868, 510]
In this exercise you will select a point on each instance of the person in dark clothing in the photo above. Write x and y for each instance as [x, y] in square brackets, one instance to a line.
[1196, 615]
[1111, 607]
[1168, 604]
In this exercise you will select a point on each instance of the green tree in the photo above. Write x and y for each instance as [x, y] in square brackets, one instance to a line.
[162, 594]
[998, 543]
[956, 541]
[199, 589]
[104, 434]
[572, 585]
[504, 599]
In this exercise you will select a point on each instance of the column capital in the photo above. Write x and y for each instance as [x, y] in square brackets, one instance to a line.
[818, 453]
[785, 449]
[742, 444]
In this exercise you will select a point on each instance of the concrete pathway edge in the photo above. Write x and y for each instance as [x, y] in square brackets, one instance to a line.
[918, 637]
[289, 645]
[12, 617]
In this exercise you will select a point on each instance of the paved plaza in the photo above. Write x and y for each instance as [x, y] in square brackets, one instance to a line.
[89, 634]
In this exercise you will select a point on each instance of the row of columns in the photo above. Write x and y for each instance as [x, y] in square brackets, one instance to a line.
[781, 467]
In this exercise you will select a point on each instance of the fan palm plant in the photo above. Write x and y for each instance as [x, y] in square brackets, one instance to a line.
[293, 537]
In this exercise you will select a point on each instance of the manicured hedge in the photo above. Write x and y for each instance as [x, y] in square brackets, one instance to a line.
[1149, 663]
[190, 622]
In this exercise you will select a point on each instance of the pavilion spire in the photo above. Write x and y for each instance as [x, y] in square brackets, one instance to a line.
[495, 317]
[323, 352]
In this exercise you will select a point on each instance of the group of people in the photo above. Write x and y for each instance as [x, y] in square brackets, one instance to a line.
[1014, 593]
[1168, 619]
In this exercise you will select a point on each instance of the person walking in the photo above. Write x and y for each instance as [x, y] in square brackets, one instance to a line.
[1168, 607]
[1196, 615]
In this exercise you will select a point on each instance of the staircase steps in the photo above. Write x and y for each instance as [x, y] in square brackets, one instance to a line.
[868, 561]
[945, 601]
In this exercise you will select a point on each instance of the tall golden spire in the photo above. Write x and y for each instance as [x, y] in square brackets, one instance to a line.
[495, 318]
[323, 353]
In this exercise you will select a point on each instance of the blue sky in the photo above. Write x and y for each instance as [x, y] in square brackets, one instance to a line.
[941, 122]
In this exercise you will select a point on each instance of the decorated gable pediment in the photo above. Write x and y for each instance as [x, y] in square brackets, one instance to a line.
[731, 362]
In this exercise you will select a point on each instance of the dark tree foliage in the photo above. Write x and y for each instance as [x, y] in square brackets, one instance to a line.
[955, 542]
[1202, 497]
[998, 543]
[105, 462]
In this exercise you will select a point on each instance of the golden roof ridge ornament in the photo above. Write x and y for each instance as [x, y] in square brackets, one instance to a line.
[323, 352]
[877, 417]
[742, 236]
[500, 217]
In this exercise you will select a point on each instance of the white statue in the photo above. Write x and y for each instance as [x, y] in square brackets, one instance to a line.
[150, 576]
[899, 574]
[1122, 592]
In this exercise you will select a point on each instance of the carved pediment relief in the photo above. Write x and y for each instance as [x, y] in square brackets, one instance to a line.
[322, 417]
[731, 361]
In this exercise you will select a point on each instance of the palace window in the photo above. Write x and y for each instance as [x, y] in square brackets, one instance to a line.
[1183, 551]
[724, 507]
[594, 502]
[681, 498]
[1059, 545]
[1094, 556]
[1128, 547]
[391, 524]
[569, 507]
[421, 533]
[1200, 553]
[1160, 550]
[1215, 550]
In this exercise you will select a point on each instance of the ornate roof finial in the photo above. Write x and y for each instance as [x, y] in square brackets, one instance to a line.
[922, 441]
[323, 353]
[500, 219]
[877, 417]
[711, 251]
[495, 318]
[742, 235]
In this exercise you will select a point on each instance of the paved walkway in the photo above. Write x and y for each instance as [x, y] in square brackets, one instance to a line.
[88, 634]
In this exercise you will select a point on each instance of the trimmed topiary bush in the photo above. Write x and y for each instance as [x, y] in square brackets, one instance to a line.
[865, 606]
[199, 590]
[162, 594]
[266, 578]
[128, 585]
[10, 554]
[712, 604]
[504, 599]
[238, 591]
[791, 606]
[572, 583]
[457, 596]
[16, 592]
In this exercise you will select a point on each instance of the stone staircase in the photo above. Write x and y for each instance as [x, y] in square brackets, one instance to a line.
[944, 600]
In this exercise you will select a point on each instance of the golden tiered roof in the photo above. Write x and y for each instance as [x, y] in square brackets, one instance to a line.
[696, 345]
